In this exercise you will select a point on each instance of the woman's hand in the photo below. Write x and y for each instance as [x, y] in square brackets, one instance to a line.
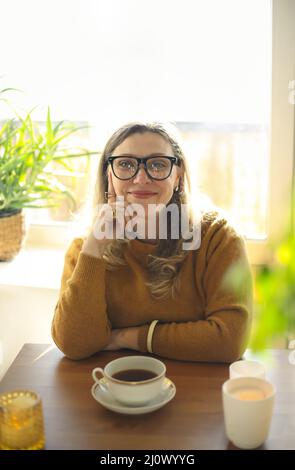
[94, 245]
[123, 338]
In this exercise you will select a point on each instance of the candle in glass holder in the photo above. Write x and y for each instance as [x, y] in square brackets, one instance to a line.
[248, 394]
[21, 421]
[248, 407]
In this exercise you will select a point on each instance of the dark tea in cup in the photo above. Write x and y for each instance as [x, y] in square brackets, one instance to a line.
[134, 375]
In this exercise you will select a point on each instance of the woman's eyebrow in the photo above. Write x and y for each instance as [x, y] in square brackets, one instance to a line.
[145, 156]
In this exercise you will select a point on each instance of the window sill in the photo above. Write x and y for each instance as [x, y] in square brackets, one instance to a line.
[34, 267]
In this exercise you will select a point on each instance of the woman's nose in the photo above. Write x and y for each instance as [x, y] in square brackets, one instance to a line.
[141, 176]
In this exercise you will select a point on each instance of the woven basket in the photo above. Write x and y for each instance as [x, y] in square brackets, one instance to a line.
[12, 234]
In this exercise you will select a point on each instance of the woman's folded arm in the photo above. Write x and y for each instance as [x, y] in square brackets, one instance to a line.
[221, 338]
[80, 325]
[222, 334]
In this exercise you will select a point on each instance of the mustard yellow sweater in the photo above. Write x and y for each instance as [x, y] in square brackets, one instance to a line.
[205, 322]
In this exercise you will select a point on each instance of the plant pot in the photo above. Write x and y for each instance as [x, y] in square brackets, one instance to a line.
[12, 234]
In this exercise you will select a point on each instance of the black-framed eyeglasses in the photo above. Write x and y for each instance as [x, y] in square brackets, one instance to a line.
[156, 167]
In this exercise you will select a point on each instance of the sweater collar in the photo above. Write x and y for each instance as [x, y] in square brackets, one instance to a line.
[141, 249]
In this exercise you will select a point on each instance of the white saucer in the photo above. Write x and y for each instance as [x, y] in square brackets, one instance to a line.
[101, 394]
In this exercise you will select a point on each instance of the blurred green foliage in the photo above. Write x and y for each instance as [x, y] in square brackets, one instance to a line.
[27, 179]
[274, 293]
[275, 296]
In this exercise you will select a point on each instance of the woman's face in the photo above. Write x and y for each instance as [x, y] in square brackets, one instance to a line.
[141, 189]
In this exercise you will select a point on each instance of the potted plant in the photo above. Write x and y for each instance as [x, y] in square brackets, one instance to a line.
[27, 180]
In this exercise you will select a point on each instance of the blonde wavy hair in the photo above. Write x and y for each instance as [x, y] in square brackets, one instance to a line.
[164, 265]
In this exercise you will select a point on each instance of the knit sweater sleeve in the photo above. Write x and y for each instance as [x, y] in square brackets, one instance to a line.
[80, 325]
[224, 274]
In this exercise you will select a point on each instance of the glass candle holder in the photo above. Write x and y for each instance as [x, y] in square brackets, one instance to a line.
[21, 421]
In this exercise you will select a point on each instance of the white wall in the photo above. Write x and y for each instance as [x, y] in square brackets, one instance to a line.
[25, 317]
[29, 286]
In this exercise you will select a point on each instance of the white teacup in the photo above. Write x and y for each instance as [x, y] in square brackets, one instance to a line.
[246, 369]
[133, 392]
[248, 406]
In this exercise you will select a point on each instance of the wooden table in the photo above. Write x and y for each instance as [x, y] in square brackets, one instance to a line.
[192, 420]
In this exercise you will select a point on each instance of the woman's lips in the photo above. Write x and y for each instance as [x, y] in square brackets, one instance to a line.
[142, 194]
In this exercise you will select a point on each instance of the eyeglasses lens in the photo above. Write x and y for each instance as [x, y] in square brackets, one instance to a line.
[157, 167]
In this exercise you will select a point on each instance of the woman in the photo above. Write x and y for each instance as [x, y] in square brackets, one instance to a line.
[151, 294]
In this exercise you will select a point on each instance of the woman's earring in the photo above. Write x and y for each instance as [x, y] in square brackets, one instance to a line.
[179, 188]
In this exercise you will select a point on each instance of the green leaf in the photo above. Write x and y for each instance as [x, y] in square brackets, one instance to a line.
[49, 132]
[26, 154]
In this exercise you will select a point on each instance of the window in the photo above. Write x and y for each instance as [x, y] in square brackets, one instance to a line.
[219, 70]
[229, 163]
[77, 175]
